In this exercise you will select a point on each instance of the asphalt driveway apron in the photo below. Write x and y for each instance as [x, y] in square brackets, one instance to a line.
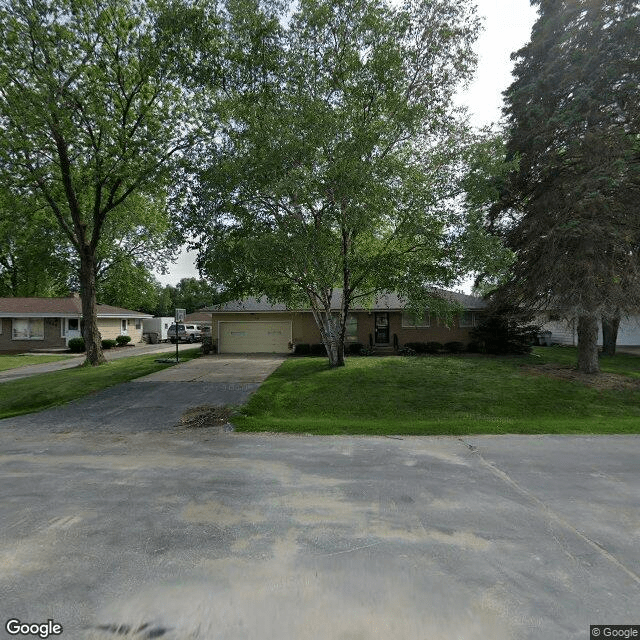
[157, 401]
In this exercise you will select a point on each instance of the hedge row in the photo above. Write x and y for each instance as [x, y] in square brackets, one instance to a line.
[435, 347]
[76, 345]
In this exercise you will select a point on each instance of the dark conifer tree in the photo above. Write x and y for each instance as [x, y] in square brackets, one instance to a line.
[570, 210]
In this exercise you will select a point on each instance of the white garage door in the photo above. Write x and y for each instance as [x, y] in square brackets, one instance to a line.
[254, 337]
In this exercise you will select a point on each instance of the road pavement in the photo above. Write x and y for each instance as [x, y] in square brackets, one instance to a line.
[117, 521]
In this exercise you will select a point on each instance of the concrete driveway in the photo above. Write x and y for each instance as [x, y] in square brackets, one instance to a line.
[160, 531]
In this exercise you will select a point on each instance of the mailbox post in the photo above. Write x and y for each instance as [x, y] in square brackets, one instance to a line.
[180, 316]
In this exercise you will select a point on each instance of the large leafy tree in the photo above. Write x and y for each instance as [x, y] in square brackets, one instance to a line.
[191, 294]
[91, 114]
[129, 284]
[35, 259]
[137, 240]
[338, 159]
[571, 207]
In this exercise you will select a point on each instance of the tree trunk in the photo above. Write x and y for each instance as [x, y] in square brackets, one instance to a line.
[335, 351]
[610, 325]
[333, 339]
[329, 326]
[588, 344]
[90, 333]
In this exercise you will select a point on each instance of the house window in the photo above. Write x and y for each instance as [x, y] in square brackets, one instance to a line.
[408, 320]
[138, 324]
[351, 329]
[468, 319]
[28, 329]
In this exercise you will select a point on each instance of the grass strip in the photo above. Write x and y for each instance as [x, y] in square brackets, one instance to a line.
[46, 390]
[450, 395]
[15, 362]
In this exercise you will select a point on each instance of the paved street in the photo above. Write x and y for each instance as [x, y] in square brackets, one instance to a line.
[116, 521]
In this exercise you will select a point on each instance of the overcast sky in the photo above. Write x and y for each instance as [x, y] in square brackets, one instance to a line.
[507, 26]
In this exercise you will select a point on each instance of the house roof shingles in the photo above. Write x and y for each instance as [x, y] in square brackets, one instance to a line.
[71, 306]
[198, 316]
[387, 301]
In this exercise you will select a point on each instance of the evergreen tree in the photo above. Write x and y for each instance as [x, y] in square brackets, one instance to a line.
[570, 208]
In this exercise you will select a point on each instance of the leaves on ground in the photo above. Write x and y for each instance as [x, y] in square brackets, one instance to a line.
[206, 416]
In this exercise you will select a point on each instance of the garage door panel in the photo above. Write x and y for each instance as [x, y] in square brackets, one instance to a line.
[254, 337]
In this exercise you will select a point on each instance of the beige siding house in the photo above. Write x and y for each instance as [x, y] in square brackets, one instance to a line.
[27, 324]
[564, 330]
[257, 326]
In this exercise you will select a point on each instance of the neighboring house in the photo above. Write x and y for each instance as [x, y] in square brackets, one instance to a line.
[257, 326]
[564, 331]
[48, 323]
[201, 318]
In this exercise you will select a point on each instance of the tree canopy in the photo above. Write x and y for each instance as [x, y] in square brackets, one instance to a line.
[92, 112]
[337, 158]
[35, 259]
[570, 209]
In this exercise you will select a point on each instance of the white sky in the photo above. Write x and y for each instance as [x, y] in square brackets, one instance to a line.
[507, 27]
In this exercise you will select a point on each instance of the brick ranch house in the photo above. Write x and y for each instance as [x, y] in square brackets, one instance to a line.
[257, 326]
[49, 323]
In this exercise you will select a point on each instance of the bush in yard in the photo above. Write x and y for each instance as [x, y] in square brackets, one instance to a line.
[406, 351]
[76, 345]
[434, 347]
[473, 347]
[208, 346]
[418, 347]
[506, 331]
[318, 350]
[108, 344]
[122, 340]
[354, 348]
[302, 350]
[454, 347]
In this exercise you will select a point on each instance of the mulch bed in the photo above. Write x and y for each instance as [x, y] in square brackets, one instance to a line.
[596, 381]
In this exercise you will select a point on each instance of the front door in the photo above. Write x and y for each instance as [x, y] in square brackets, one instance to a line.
[72, 329]
[382, 328]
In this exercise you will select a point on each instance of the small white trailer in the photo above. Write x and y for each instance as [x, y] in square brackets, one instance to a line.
[155, 329]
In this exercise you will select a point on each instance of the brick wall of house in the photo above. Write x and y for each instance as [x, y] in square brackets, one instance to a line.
[304, 329]
[437, 332]
[109, 329]
[52, 338]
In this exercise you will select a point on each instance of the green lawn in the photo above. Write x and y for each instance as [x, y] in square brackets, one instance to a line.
[13, 362]
[442, 395]
[49, 389]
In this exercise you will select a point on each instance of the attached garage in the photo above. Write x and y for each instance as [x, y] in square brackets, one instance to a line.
[254, 337]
